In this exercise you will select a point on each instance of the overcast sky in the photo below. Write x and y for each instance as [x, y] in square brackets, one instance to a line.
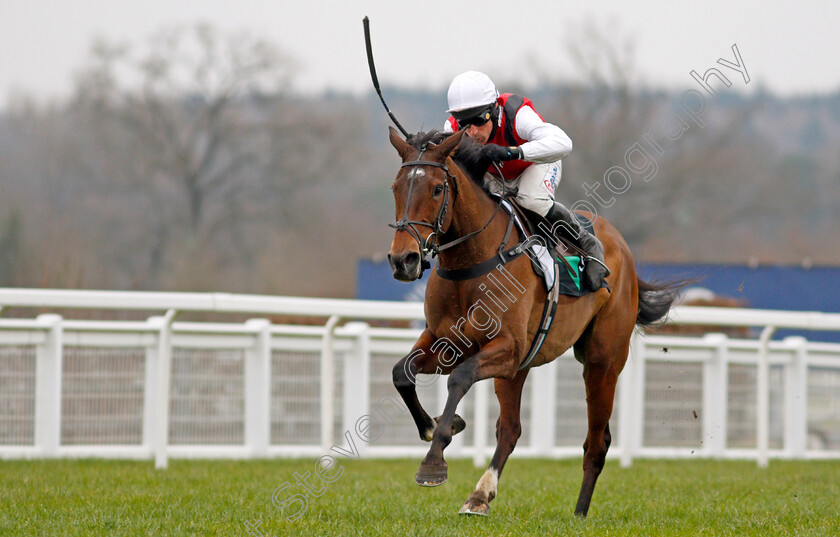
[788, 47]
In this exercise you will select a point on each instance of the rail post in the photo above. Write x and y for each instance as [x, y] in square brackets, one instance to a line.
[163, 380]
[48, 366]
[258, 388]
[626, 398]
[356, 418]
[763, 396]
[543, 408]
[328, 383]
[715, 396]
[796, 398]
[638, 406]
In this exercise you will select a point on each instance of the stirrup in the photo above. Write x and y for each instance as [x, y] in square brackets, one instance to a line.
[592, 258]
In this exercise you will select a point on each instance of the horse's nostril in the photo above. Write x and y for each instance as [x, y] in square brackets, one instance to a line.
[411, 259]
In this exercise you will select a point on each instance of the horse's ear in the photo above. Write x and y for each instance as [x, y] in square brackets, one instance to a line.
[403, 148]
[443, 149]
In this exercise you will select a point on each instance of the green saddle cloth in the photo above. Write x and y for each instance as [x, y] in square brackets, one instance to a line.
[569, 277]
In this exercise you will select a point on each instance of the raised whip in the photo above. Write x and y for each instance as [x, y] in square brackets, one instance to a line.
[366, 23]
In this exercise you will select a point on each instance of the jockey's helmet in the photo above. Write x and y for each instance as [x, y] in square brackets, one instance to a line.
[471, 94]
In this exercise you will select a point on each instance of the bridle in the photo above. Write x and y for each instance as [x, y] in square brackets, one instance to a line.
[410, 226]
[428, 248]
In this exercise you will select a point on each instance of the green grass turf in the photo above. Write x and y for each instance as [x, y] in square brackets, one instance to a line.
[536, 497]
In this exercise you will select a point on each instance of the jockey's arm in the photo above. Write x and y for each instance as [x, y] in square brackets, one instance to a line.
[546, 142]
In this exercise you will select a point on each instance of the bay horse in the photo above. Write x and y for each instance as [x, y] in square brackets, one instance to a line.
[471, 334]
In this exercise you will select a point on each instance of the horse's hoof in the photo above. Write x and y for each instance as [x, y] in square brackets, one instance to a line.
[458, 424]
[475, 507]
[431, 475]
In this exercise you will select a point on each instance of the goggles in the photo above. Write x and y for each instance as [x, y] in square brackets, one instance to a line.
[483, 116]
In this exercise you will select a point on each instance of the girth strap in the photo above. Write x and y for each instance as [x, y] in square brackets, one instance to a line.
[549, 311]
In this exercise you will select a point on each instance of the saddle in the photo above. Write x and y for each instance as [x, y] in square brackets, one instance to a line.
[563, 250]
[559, 271]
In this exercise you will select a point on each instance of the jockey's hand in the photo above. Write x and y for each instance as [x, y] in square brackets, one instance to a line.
[498, 153]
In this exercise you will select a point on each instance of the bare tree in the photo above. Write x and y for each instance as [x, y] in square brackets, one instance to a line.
[185, 127]
[184, 103]
[692, 186]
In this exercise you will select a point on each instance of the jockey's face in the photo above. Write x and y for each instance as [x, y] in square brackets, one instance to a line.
[480, 133]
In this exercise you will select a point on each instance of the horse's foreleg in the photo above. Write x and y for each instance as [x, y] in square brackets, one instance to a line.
[495, 359]
[600, 389]
[508, 430]
[405, 372]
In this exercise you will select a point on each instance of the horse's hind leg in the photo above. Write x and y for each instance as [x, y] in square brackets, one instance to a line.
[600, 379]
[604, 346]
[508, 429]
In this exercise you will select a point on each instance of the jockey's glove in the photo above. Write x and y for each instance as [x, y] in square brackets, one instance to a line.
[501, 153]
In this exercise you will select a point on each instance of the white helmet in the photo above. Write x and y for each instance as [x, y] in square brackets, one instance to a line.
[471, 90]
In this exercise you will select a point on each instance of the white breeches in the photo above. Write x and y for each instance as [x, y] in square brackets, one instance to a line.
[536, 186]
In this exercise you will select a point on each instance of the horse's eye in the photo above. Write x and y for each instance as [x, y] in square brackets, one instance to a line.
[438, 189]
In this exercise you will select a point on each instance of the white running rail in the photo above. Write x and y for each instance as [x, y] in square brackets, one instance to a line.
[161, 388]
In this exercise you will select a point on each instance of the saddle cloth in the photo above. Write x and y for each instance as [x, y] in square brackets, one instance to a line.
[541, 259]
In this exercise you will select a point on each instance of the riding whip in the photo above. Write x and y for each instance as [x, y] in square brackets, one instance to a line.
[366, 23]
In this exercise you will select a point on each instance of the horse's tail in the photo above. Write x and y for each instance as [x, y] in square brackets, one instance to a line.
[655, 299]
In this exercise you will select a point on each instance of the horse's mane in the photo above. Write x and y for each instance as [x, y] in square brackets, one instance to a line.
[467, 156]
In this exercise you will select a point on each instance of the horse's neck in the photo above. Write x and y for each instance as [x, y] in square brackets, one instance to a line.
[472, 211]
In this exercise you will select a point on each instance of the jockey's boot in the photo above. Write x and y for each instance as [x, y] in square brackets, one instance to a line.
[595, 269]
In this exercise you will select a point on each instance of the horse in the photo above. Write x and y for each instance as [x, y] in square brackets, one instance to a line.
[477, 329]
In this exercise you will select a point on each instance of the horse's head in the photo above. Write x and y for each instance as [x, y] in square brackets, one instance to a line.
[424, 193]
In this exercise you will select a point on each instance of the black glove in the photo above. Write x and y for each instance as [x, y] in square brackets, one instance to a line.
[500, 153]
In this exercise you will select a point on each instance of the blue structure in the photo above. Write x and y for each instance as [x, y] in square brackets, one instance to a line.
[771, 287]
[374, 281]
[764, 287]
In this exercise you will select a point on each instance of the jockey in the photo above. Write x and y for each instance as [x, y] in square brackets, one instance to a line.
[512, 131]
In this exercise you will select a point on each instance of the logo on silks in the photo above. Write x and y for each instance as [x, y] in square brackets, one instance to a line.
[550, 181]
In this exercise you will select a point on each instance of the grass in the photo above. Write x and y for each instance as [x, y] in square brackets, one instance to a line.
[536, 497]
